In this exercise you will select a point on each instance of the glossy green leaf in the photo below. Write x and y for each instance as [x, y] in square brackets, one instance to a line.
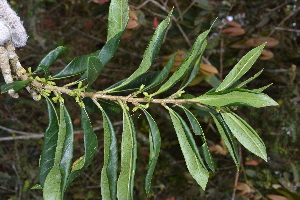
[67, 151]
[162, 75]
[262, 88]
[117, 18]
[90, 145]
[77, 66]
[198, 131]
[235, 96]
[133, 86]
[241, 67]
[186, 64]
[204, 4]
[50, 58]
[227, 137]
[193, 70]
[150, 53]
[50, 142]
[16, 86]
[249, 79]
[244, 135]
[110, 165]
[189, 150]
[248, 126]
[52, 189]
[155, 143]
[107, 52]
[46, 70]
[94, 68]
[108, 106]
[128, 158]
[212, 80]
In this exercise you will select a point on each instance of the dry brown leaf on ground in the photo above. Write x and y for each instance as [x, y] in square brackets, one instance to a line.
[233, 23]
[255, 42]
[233, 31]
[266, 55]
[276, 197]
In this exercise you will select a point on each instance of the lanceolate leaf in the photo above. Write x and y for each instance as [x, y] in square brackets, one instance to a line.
[249, 79]
[110, 165]
[194, 70]
[16, 86]
[128, 158]
[244, 135]
[235, 96]
[50, 58]
[67, 152]
[107, 52]
[94, 68]
[227, 137]
[189, 150]
[150, 53]
[50, 142]
[117, 18]
[52, 189]
[155, 143]
[77, 66]
[198, 131]
[90, 146]
[262, 88]
[186, 64]
[162, 75]
[241, 67]
[133, 86]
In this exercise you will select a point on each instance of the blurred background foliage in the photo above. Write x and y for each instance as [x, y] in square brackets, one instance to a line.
[241, 25]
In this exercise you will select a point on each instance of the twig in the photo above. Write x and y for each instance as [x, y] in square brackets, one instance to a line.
[237, 173]
[273, 9]
[286, 18]
[221, 59]
[27, 135]
[179, 12]
[287, 29]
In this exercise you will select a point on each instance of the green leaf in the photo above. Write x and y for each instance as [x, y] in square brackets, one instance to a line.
[212, 80]
[128, 158]
[117, 18]
[186, 64]
[93, 69]
[235, 96]
[52, 187]
[198, 131]
[162, 75]
[77, 66]
[244, 135]
[133, 86]
[150, 53]
[262, 88]
[155, 143]
[249, 79]
[108, 106]
[194, 70]
[107, 52]
[189, 150]
[46, 70]
[227, 137]
[110, 165]
[16, 86]
[67, 151]
[50, 58]
[204, 4]
[90, 145]
[241, 67]
[50, 142]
